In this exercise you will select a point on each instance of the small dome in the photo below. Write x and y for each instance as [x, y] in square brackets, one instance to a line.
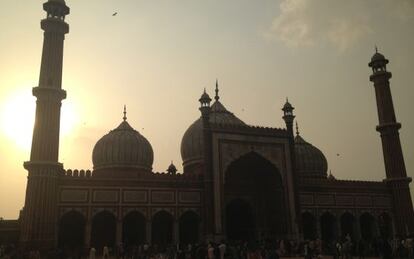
[192, 141]
[378, 60]
[310, 161]
[205, 98]
[123, 147]
[377, 57]
[287, 106]
[172, 169]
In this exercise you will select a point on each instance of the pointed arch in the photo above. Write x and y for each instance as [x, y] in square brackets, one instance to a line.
[243, 152]
[71, 233]
[251, 162]
[368, 226]
[385, 225]
[255, 179]
[348, 225]
[309, 226]
[162, 228]
[103, 230]
[189, 227]
[328, 227]
[133, 228]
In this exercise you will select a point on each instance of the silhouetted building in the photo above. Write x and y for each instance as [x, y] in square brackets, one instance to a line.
[240, 182]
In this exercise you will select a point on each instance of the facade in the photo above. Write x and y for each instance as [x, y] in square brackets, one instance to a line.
[240, 182]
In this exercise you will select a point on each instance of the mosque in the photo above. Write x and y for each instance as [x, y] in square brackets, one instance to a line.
[239, 182]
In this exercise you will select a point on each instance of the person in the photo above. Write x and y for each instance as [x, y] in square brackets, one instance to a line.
[210, 251]
[105, 252]
[92, 253]
[338, 250]
[222, 248]
[201, 252]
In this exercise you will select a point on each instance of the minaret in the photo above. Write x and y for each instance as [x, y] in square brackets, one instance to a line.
[205, 110]
[396, 176]
[289, 117]
[39, 217]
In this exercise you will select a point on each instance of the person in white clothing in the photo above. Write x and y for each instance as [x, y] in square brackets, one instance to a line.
[222, 248]
[105, 253]
[92, 253]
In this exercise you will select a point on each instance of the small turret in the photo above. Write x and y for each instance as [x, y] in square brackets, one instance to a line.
[288, 116]
[205, 104]
[56, 9]
[172, 169]
[378, 62]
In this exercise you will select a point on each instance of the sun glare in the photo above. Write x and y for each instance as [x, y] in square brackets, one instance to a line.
[18, 116]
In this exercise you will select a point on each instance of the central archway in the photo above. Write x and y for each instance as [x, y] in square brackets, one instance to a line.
[240, 221]
[254, 179]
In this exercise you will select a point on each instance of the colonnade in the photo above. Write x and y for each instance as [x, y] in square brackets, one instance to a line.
[105, 229]
[329, 226]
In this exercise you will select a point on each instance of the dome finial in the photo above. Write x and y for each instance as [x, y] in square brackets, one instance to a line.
[297, 129]
[217, 97]
[125, 117]
[376, 48]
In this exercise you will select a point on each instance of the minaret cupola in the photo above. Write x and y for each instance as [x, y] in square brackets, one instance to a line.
[288, 116]
[56, 9]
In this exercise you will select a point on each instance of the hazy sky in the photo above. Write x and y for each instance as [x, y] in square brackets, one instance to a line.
[157, 56]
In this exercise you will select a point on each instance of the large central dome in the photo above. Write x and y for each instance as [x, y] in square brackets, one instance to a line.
[192, 147]
[124, 148]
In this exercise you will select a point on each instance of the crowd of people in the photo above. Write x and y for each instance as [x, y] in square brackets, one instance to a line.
[308, 249]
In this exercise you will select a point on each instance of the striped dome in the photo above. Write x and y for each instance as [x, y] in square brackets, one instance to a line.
[123, 147]
[310, 161]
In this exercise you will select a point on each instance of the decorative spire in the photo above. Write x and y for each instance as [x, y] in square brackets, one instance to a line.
[217, 97]
[125, 117]
[297, 129]
[376, 49]
[172, 169]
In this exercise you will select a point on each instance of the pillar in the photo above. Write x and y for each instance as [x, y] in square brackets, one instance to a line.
[176, 232]
[88, 227]
[148, 226]
[118, 238]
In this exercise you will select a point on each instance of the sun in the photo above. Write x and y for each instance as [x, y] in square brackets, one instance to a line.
[18, 116]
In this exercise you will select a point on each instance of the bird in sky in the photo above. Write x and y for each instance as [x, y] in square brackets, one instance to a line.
[114, 14]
